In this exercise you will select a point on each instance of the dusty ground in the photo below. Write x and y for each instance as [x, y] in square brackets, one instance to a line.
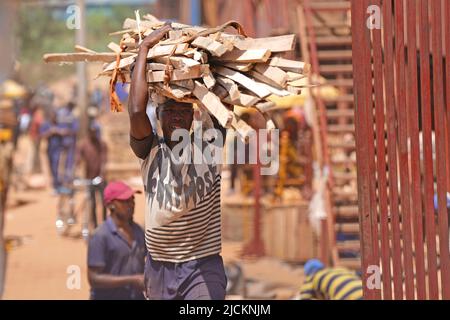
[39, 258]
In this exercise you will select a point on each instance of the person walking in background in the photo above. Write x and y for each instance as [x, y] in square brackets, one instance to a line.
[330, 283]
[116, 251]
[67, 120]
[37, 119]
[92, 152]
[53, 133]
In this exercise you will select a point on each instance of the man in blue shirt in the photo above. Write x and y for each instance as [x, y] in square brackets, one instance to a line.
[116, 251]
[68, 121]
[51, 131]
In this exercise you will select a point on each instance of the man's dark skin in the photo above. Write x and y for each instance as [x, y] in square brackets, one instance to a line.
[122, 214]
[172, 114]
[140, 126]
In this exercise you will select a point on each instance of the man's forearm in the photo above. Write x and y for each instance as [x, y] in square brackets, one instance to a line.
[139, 87]
[107, 281]
[139, 123]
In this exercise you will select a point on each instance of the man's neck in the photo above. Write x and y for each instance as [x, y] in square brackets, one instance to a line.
[120, 224]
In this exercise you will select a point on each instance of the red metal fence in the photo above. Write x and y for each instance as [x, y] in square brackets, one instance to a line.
[402, 115]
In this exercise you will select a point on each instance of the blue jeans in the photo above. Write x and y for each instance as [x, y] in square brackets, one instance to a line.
[53, 155]
[201, 279]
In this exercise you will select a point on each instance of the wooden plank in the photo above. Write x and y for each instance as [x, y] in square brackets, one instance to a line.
[216, 48]
[180, 92]
[290, 65]
[179, 74]
[84, 56]
[273, 73]
[248, 83]
[213, 104]
[200, 56]
[175, 34]
[243, 67]
[178, 62]
[114, 47]
[245, 100]
[242, 128]
[293, 76]
[221, 92]
[274, 44]
[275, 91]
[294, 90]
[263, 79]
[209, 80]
[156, 66]
[188, 84]
[230, 86]
[79, 48]
[122, 64]
[160, 51]
[265, 106]
[246, 56]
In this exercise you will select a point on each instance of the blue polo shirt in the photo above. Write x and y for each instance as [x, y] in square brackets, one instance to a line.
[109, 249]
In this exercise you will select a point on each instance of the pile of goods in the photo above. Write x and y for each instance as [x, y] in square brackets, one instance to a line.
[205, 66]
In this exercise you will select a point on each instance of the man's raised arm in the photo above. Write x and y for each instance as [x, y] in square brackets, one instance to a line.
[140, 127]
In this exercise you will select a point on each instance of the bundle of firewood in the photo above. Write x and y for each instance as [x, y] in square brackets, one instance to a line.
[208, 67]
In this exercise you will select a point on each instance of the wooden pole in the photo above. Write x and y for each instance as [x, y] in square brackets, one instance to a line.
[82, 94]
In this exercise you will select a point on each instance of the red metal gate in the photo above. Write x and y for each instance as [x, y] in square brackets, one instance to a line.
[402, 115]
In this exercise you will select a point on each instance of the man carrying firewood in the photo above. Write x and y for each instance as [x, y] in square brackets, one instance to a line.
[183, 228]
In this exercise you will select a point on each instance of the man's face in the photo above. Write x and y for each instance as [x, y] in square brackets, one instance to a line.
[124, 209]
[175, 115]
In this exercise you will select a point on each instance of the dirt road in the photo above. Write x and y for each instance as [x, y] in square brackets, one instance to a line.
[39, 259]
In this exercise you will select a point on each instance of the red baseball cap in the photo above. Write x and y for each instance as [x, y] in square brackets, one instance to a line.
[117, 190]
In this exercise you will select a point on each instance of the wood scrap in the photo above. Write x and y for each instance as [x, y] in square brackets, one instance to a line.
[213, 104]
[207, 66]
[246, 56]
[274, 44]
[244, 81]
[179, 74]
[230, 86]
[290, 65]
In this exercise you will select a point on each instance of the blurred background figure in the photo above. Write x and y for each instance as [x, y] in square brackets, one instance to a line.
[53, 133]
[37, 119]
[330, 283]
[67, 121]
[92, 154]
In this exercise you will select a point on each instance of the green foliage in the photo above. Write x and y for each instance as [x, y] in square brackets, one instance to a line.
[41, 30]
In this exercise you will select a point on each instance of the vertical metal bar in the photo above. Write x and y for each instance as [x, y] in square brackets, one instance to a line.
[82, 79]
[371, 149]
[323, 130]
[447, 80]
[381, 161]
[358, 43]
[403, 149]
[427, 145]
[415, 149]
[392, 146]
[439, 112]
